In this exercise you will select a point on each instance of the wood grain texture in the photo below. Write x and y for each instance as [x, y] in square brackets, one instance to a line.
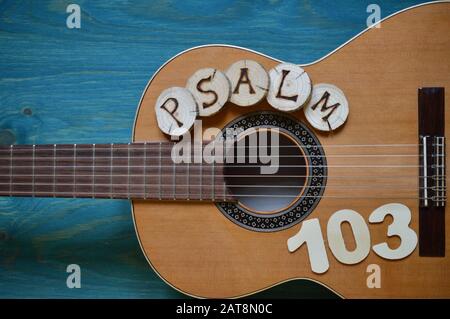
[82, 86]
[380, 73]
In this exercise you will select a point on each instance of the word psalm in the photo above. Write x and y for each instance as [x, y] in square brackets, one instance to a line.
[245, 83]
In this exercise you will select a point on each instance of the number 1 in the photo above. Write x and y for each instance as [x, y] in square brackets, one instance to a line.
[311, 234]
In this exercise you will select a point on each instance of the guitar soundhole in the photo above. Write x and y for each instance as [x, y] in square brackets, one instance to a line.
[272, 202]
[280, 185]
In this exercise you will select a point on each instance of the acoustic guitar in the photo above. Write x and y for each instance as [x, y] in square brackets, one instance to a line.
[347, 190]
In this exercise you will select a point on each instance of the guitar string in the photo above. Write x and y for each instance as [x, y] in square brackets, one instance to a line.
[223, 157]
[230, 197]
[228, 166]
[130, 187]
[373, 186]
[69, 174]
[351, 187]
[195, 176]
[17, 156]
[165, 147]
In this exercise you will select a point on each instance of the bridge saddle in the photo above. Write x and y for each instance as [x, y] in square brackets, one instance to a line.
[438, 166]
[432, 184]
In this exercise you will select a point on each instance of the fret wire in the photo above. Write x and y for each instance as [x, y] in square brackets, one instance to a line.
[173, 178]
[188, 181]
[128, 170]
[224, 191]
[159, 170]
[32, 172]
[10, 168]
[74, 168]
[54, 170]
[93, 170]
[145, 170]
[111, 170]
[201, 179]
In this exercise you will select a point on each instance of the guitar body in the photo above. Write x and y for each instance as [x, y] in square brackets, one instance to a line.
[200, 252]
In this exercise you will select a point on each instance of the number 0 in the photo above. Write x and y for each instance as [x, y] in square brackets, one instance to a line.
[336, 240]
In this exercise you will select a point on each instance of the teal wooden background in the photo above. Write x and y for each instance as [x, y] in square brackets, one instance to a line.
[60, 85]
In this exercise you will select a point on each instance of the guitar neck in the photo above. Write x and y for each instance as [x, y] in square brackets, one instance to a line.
[122, 171]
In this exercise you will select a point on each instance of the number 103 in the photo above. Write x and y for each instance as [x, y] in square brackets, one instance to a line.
[311, 234]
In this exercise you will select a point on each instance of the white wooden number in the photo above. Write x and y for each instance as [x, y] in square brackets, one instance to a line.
[336, 240]
[311, 234]
[399, 227]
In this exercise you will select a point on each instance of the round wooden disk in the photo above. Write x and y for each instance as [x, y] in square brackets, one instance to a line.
[290, 87]
[316, 115]
[249, 82]
[176, 111]
[211, 90]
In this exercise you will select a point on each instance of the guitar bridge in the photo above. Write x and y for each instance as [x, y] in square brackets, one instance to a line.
[432, 177]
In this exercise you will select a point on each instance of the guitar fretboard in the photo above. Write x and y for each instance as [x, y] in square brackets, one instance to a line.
[126, 171]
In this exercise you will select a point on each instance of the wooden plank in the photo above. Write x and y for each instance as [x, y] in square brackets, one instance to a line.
[82, 86]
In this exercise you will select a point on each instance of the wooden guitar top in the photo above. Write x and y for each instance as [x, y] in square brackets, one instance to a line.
[199, 252]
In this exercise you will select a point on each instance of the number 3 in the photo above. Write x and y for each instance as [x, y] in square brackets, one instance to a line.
[399, 227]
